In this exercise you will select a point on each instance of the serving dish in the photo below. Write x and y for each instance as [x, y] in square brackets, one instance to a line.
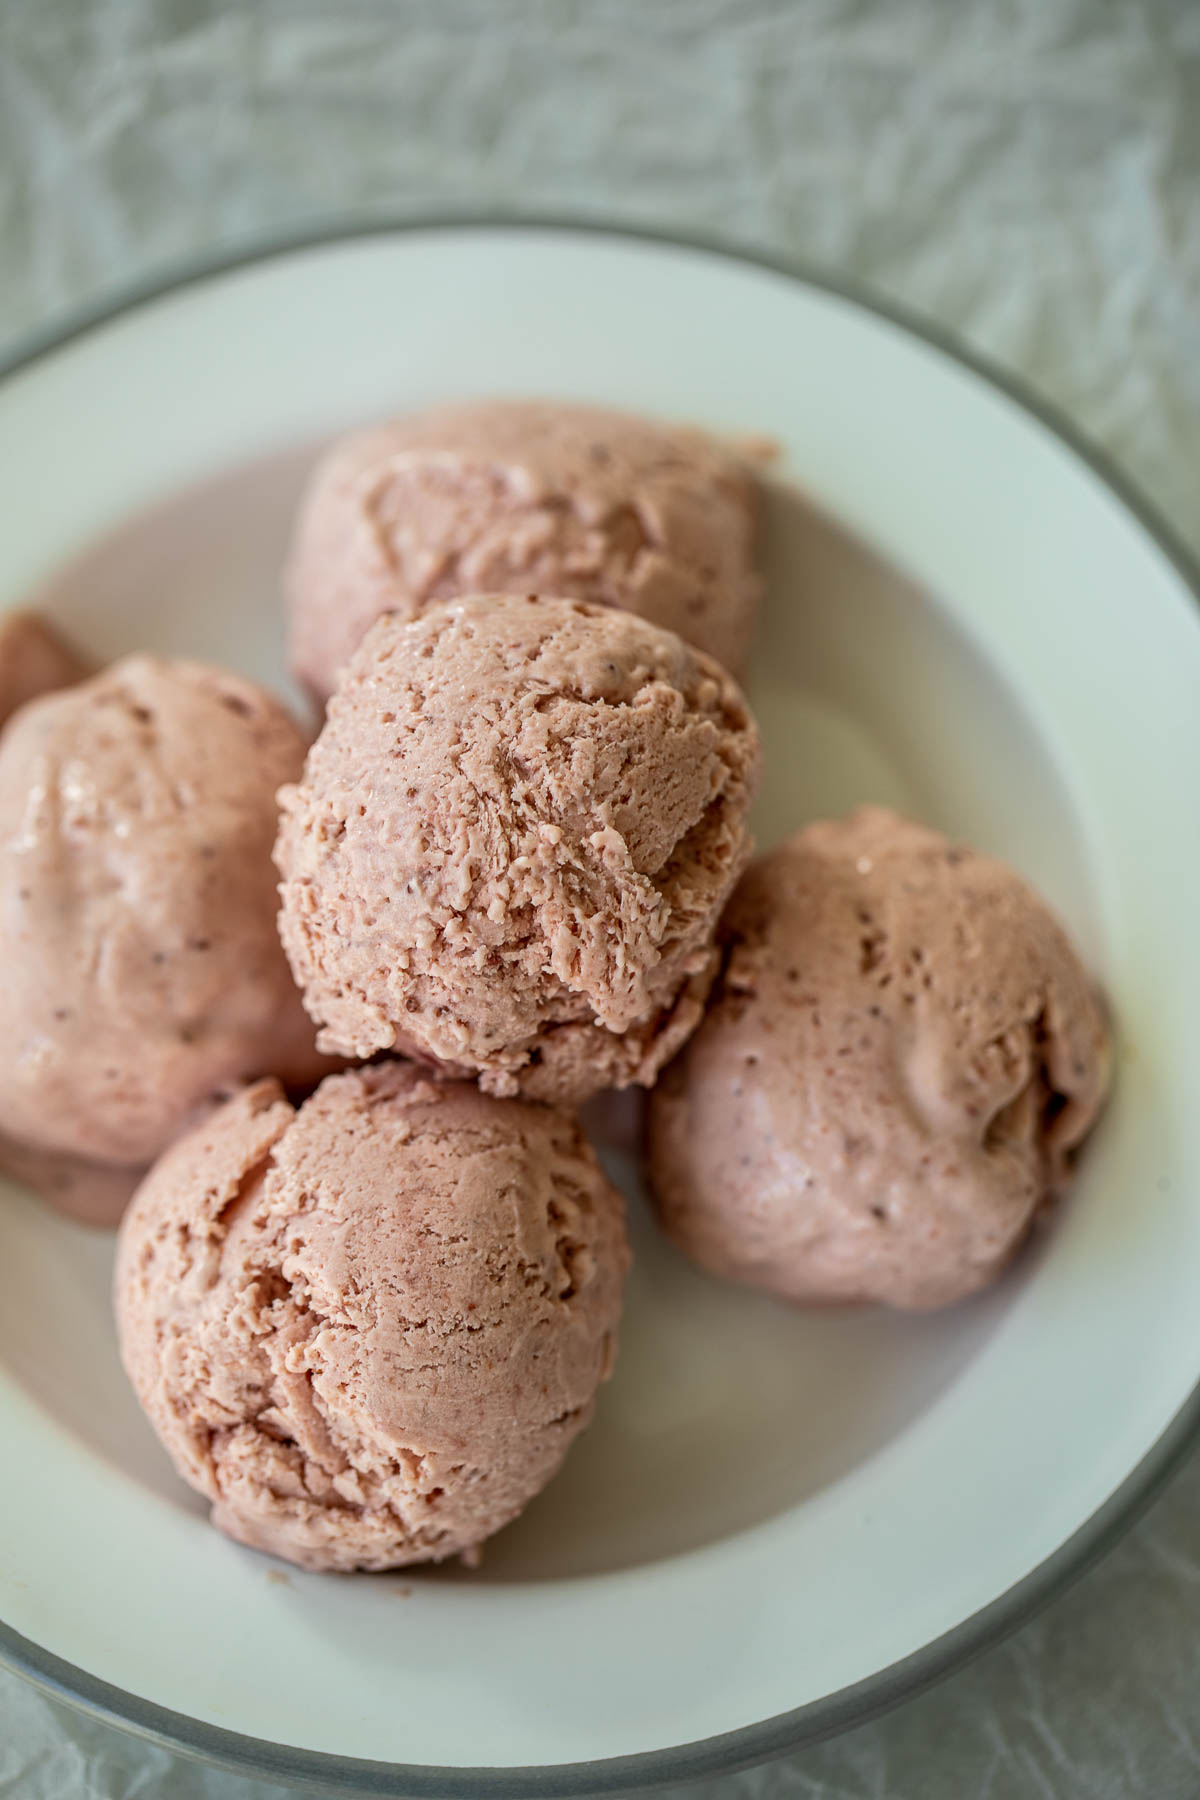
[781, 1521]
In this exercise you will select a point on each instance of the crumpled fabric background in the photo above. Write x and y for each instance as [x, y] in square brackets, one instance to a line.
[1026, 172]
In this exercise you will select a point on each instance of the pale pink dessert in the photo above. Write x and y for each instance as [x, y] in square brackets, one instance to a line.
[94, 1193]
[34, 660]
[509, 496]
[369, 1331]
[902, 1056]
[142, 969]
[512, 842]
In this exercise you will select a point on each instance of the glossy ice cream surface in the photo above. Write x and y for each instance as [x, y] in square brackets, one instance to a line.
[902, 1056]
[143, 973]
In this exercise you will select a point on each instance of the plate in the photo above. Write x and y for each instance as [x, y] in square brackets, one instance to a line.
[781, 1520]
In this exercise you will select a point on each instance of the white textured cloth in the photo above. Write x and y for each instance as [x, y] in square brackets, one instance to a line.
[1027, 172]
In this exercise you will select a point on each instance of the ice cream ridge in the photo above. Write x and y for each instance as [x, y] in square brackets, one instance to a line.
[512, 842]
[523, 497]
[143, 974]
[901, 1059]
[369, 1330]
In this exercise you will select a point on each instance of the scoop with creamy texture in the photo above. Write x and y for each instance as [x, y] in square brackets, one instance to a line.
[512, 842]
[523, 497]
[902, 1055]
[34, 660]
[368, 1331]
[142, 968]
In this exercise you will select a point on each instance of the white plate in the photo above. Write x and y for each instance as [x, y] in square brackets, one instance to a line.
[780, 1520]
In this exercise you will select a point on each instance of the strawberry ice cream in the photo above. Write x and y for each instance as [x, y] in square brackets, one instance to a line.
[368, 1331]
[142, 969]
[523, 497]
[902, 1056]
[34, 660]
[513, 840]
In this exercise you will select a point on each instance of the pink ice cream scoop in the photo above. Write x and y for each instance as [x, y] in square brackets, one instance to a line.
[368, 1331]
[34, 660]
[523, 497]
[513, 840]
[902, 1056]
[142, 968]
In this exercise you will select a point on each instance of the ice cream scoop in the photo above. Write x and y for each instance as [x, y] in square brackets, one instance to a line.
[512, 842]
[142, 969]
[523, 497]
[34, 660]
[368, 1331]
[902, 1056]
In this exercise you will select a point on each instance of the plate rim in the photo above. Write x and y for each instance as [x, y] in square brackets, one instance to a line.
[854, 1705]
